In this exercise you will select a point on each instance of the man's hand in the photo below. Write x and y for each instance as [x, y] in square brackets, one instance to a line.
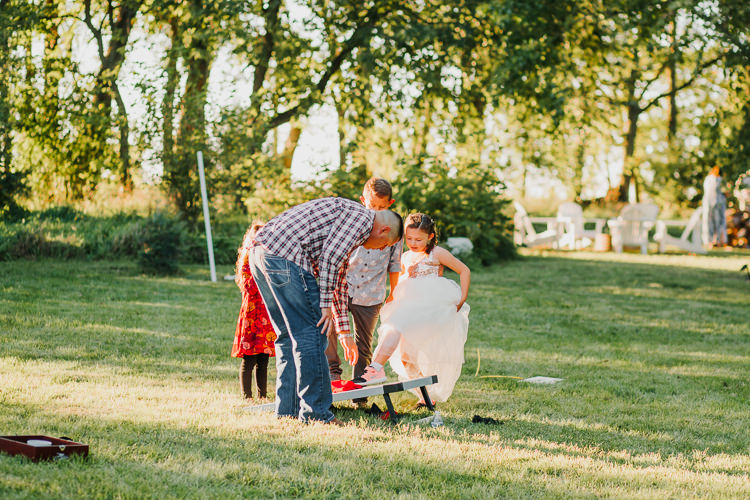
[351, 354]
[326, 319]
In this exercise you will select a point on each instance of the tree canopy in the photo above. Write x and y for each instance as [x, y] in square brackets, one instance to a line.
[655, 90]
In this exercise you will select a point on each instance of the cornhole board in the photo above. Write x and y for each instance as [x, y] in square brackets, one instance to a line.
[42, 447]
[384, 390]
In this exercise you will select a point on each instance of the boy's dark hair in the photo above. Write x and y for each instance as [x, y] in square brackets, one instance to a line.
[379, 187]
[423, 223]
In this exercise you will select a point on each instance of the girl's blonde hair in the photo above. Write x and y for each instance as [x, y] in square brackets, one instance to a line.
[244, 251]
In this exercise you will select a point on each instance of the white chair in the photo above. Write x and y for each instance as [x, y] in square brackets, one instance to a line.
[574, 234]
[632, 226]
[525, 234]
[690, 240]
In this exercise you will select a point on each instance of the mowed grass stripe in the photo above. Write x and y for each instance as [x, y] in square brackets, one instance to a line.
[654, 351]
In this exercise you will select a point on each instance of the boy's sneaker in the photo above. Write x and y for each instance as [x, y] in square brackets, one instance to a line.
[371, 376]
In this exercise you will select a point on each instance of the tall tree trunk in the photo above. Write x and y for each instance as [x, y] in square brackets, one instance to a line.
[6, 143]
[580, 160]
[257, 120]
[113, 56]
[421, 134]
[341, 129]
[291, 146]
[271, 16]
[192, 113]
[167, 106]
[111, 59]
[29, 62]
[672, 76]
[628, 168]
[191, 135]
[125, 178]
[50, 64]
[477, 129]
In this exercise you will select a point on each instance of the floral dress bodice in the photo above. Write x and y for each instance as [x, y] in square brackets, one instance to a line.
[426, 265]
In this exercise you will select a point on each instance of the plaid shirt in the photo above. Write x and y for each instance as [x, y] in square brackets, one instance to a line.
[318, 236]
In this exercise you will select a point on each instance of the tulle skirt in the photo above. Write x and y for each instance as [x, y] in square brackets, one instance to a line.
[433, 333]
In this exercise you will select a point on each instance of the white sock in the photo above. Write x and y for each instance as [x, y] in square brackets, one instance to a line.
[377, 366]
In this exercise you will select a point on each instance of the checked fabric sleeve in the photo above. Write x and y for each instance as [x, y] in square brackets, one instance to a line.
[334, 261]
[318, 236]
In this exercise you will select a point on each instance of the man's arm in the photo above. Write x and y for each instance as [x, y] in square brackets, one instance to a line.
[340, 300]
[350, 230]
[347, 341]
[340, 315]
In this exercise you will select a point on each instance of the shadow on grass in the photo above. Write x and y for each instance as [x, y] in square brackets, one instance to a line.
[134, 459]
[649, 370]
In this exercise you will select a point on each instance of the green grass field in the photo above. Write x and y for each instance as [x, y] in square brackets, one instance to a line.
[655, 402]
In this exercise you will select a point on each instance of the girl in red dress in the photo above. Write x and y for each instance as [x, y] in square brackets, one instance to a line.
[254, 337]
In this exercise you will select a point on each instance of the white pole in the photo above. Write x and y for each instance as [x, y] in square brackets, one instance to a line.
[204, 197]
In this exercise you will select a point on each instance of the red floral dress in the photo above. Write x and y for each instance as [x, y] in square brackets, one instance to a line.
[255, 333]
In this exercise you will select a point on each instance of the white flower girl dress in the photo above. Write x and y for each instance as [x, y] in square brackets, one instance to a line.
[433, 333]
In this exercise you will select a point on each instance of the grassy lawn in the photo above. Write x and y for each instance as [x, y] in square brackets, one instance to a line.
[654, 350]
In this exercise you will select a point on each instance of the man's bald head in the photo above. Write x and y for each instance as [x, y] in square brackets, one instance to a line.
[387, 229]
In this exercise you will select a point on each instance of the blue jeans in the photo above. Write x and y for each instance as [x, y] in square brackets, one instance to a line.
[292, 297]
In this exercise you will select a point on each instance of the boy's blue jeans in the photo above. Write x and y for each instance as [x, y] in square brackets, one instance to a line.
[292, 297]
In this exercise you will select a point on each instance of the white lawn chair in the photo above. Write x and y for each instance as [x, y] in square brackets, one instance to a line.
[690, 240]
[525, 234]
[574, 234]
[631, 228]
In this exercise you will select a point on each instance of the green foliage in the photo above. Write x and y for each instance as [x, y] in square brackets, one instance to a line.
[31, 243]
[183, 184]
[463, 202]
[160, 245]
[343, 182]
[62, 232]
[13, 185]
[15, 20]
[226, 240]
[60, 213]
[406, 78]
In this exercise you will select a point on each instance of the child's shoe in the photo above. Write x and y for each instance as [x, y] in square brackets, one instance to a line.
[422, 404]
[371, 376]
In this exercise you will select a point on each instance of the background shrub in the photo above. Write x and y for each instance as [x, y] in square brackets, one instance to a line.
[18, 242]
[64, 233]
[463, 202]
[159, 244]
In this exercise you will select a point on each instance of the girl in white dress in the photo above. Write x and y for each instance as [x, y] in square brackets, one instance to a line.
[423, 329]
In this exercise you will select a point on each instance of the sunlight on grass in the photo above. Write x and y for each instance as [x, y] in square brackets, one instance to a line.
[654, 352]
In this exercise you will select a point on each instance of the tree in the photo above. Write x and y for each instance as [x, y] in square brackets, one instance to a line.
[68, 123]
[630, 47]
[292, 73]
[110, 25]
[194, 30]
[465, 201]
[17, 19]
